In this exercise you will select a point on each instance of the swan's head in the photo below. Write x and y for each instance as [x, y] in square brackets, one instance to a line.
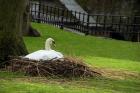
[49, 43]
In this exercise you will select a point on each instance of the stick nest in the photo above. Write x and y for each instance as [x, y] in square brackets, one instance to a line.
[66, 67]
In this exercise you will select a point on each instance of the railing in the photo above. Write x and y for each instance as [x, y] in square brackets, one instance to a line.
[104, 25]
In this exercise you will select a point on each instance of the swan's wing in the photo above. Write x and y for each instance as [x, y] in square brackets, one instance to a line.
[37, 55]
[60, 55]
[52, 54]
[44, 55]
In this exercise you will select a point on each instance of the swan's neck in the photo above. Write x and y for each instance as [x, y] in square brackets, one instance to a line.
[47, 46]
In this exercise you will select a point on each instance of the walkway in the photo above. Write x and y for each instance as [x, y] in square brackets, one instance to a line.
[74, 6]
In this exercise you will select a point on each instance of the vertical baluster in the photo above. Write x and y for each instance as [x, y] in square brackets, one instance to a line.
[112, 22]
[35, 15]
[51, 15]
[79, 22]
[104, 23]
[83, 23]
[58, 17]
[120, 23]
[67, 17]
[127, 24]
[62, 19]
[39, 11]
[46, 11]
[75, 26]
[134, 24]
[87, 31]
[71, 21]
[97, 18]
[43, 12]
[54, 11]
[31, 10]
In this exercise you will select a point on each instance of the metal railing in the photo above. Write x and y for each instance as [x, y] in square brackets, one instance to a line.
[104, 25]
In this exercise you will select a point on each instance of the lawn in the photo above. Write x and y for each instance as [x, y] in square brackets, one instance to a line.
[100, 52]
[119, 60]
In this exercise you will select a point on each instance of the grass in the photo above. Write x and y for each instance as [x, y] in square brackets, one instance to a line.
[85, 45]
[97, 52]
[94, 85]
[43, 88]
[118, 64]
[5, 74]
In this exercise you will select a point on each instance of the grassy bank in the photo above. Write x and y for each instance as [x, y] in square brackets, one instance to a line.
[120, 58]
[99, 52]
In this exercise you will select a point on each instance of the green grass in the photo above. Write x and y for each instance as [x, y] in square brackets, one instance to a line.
[22, 87]
[76, 45]
[95, 85]
[119, 64]
[97, 52]
[6, 74]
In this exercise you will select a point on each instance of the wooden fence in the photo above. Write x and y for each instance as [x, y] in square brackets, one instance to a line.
[115, 26]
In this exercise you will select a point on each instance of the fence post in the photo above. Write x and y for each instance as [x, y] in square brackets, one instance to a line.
[43, 11]
[87, 31]
[83, 23]
[39, 12]
[138, 37]
[62, 19]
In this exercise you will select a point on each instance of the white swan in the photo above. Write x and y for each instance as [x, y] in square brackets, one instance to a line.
[47, 54]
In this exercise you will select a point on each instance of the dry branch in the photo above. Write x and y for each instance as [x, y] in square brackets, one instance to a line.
[67, 67]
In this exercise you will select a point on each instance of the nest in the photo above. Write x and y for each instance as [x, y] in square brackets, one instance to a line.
[67, 67]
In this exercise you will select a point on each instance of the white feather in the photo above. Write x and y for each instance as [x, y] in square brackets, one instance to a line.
[47, 54]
